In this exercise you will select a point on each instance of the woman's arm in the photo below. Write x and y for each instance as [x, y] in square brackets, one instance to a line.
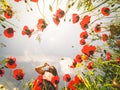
[57, 87]
[39, 69]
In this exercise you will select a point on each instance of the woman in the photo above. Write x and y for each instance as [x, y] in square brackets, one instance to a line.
[48, 75]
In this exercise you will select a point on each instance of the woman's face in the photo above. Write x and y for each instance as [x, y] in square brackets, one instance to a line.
[51, 68]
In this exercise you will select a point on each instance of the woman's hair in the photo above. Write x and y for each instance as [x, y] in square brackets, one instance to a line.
[53, 71]
[47, 85]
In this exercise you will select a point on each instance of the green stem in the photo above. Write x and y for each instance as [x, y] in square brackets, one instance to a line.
[11, 24]
[53, 2]
[102, 18]
[68, 7]
[95, 83]
[40, 10]
[57, 4]
[43, 6]
[29, 6]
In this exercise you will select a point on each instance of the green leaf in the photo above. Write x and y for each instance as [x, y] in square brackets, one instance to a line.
[100, 78]
[2, 18]
[3, 61]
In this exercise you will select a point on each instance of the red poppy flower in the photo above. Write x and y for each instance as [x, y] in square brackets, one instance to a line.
[108, 56]
[97, 28]
[8, 13]
[88, 50]
[18, 74]
[75, 18]
[104, 37]
[34, 0]
[55, 80]
[84, 35]
[41, 25]
[90, 65]
[9, 32]
[11, 62]
[67, 77]
[82, 41]
[78, 58]
[37, 83]
[85, 21]
[118, 60]
[27, 31]
[117, 43]
[84, 25]
[56, 20]
[60, 13]
[105, 11]
[38, 87]
[17, 0]
[71, 85]
[2, 72]
[73, 64]
[77, 79]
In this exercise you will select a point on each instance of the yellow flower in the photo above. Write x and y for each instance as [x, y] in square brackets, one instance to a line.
[79, 65]
[84, 57]
[4, 4]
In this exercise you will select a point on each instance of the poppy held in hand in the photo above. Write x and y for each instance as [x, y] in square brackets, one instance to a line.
[2, 72]
[75, 18]
[67, 77]
[27, 31]
[18, 74]
[41, 25]
[9, 32]
[105, 11]
[8, 13]
[11, 62]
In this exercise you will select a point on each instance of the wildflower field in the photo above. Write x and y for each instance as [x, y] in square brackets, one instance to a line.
[82, 38]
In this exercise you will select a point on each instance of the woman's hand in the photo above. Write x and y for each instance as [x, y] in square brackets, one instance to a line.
[46, 64]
